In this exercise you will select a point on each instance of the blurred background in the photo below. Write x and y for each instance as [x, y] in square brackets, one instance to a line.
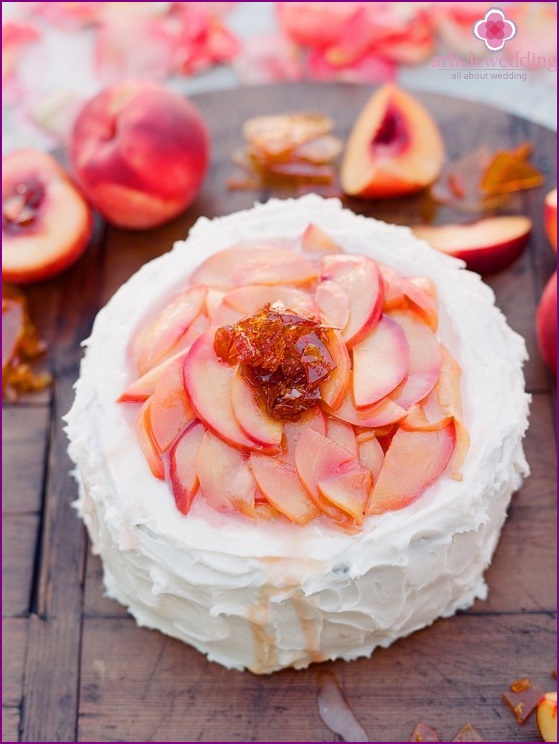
[57, 54]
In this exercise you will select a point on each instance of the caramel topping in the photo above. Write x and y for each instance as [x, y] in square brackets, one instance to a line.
[284, 357]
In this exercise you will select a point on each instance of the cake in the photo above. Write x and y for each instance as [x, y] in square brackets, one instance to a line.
[396, 535]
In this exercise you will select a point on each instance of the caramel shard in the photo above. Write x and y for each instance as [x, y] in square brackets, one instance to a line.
[524, 702]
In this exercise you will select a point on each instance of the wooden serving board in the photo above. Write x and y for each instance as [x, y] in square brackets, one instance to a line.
[76, 666]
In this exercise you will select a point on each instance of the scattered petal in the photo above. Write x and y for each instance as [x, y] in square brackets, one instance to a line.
[335, 711]
[268, 59]
[15, 37]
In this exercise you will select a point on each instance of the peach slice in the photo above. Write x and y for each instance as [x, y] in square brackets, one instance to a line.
[46, 223]
[546, 324]
[147, 442]
[342, 433]
[208, 382]
[292, 430]
[427, 415]
[362, 282]
[254, 264]
[393, 294]
[386, 411]
[546, 716]
[550, 217]
[145, 385]
[253, 421]
[319, 460]
[183, 469]
[488, 245]
[413, 461]
[249, 300]
[380, 362]
[170, 410]
[333, 304]
[421, 292]
[394, 148]
[163, 333]
[370, 453]
[225, 479]
[449, 397]
[140, 152]
[348, 491]
[334, 388]
[280, 484]
[214, 298]
[315, 240]
[424, 361]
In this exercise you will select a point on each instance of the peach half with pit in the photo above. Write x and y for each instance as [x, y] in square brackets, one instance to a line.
[395, 147]
[140, 153]
[46, 222]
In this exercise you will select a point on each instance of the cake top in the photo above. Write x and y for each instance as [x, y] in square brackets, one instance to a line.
[288, 379]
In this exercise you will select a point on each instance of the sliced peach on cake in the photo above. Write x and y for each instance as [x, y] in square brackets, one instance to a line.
[281, 486]
[320, 462]
[424, 361]
[147, 441]
[427, 415]
[208, 382]
[292, 430]
[421, 292]
[334, 388]
[225, 478]
[145, 385]
[362, 282]
[250, 299]
[488, 245]
[380, 362]
[386, 411]
[161, 335]
[183, 466]
[254, 264]
[413, 461]
[252, 419]
[46, 222]
[342, 433]
[394, 148]
[370, 453]
[315, 240]
[333, 304]
[170, 410]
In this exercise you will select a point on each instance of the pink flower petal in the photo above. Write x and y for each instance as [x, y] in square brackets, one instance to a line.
[133, 48]
[369, 69]
[315, 24]
[201, 40]
[15, 37]
[268, 59]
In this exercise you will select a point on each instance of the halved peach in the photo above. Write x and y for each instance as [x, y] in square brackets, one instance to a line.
[362, 282]
[414, 460]
[342, 433]
[550, 217]
[380, 362]
[170, 409]
[161, 335]
[315, 240]
[424, 361]
[488, 245]
[319, 459]
[183, 467]
[46, 222]
[147, 441]
[334, 388]
[226, 482]
[254, 264]
[280, 484]
[394, 148]
[253, 421]
[333, 304]
[546, 716]
[208, 382]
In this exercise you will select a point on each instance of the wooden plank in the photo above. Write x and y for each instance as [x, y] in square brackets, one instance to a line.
[25, 431]
[19, 541]
[51, 678]
[96, 604]
[10, 724]
[14, 651]
[442, 675]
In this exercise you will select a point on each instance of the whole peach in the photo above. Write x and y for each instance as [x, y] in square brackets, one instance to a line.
[546, 323]
[140, 153]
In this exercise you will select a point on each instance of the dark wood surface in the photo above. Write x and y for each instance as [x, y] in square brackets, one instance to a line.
[76, 666]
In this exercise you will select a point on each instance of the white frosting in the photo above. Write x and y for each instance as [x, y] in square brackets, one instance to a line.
[266, 596]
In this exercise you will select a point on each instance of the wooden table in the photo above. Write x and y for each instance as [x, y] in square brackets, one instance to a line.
[77, 668]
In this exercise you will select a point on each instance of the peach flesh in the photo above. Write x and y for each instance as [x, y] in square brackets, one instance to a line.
[392, 136]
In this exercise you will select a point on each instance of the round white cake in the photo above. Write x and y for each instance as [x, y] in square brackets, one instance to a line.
[264, 594]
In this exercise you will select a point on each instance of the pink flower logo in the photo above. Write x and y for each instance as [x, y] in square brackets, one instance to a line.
[494, 30]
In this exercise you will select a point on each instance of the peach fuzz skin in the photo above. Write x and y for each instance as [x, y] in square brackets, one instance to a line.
[140, 153]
